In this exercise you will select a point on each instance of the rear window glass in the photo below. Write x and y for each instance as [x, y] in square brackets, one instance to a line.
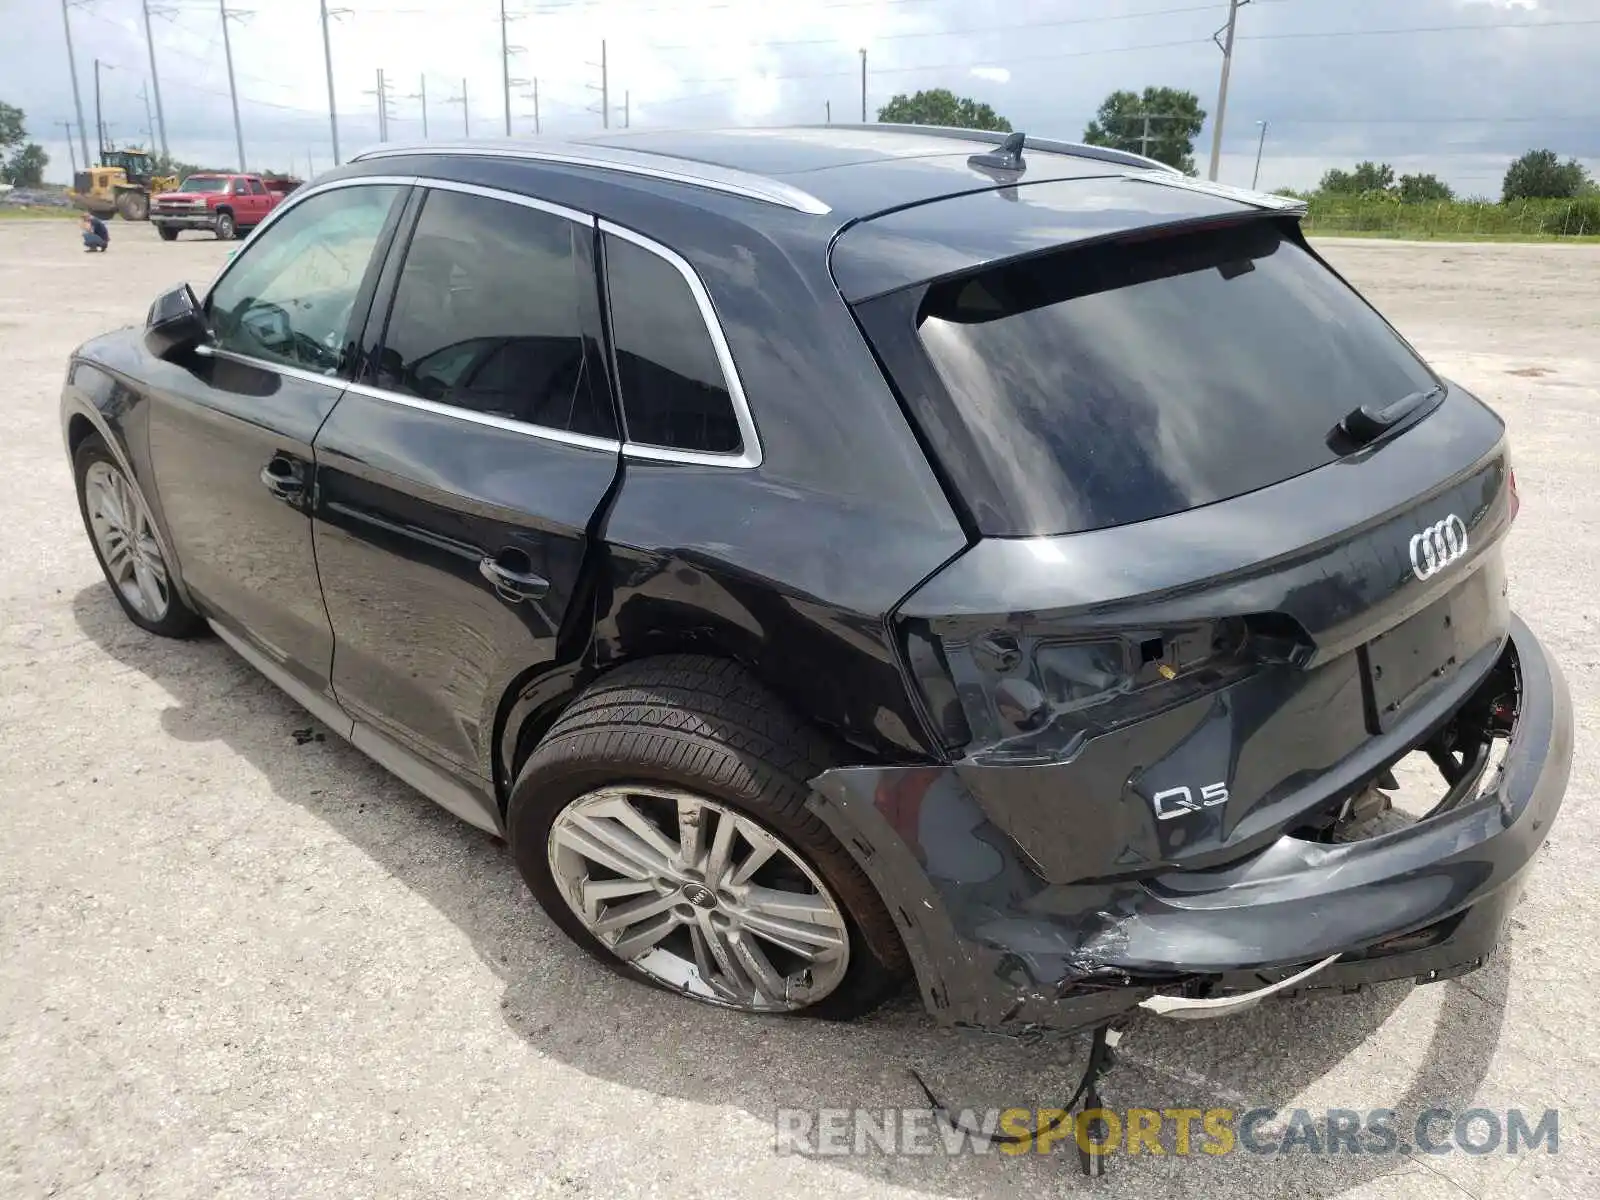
[1128, 381]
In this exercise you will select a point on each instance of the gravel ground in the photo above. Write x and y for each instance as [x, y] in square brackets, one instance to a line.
[233, 964]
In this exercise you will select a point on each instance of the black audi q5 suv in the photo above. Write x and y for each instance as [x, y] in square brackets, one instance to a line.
[833, 556]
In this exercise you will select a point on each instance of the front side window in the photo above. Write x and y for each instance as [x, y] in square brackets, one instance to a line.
[674, 392]
[488, 316]
[289, 297]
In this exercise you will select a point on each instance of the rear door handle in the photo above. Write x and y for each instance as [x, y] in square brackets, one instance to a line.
[513, 586]
[285, 479]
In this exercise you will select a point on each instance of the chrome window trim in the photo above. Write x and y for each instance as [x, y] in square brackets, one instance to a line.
[489, 193]
[206, 350]
[749, 453]
[566, 437]
[728, 180]
[297, 198]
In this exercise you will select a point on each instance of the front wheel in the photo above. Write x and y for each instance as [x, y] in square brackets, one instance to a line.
[168, 233]
[134, 206]
[123, 535]
[661, 823]
[227, 230]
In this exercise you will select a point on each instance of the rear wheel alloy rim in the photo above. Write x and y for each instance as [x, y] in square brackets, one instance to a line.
[699, 897]
[126, 540]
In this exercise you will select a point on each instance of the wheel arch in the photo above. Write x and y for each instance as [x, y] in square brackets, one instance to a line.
[536, 700]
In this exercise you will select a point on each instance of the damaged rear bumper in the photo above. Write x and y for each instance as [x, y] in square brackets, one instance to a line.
[996, 946]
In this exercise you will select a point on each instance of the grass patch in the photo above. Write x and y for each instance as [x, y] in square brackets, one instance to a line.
[1445, 238]
[43, 212]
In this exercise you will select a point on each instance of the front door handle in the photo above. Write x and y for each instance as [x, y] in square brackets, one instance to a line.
[285, 479]
[513, 586]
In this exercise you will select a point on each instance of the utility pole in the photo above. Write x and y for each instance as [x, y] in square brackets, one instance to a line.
[466, 128]
[863, 85]
[149, 123]
[1260, 146]
[604, 88]
[99, 120]
[233, 89]
[1222, 92]
[625, 121]
[77, 99]
[534, 96]
[72, 155]
[327, 62]
[155, 79]
[506, 51]
[423, 96]
[828, 104]
[382, 94]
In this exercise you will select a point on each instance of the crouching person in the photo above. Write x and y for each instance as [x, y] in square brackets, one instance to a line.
[95, 234]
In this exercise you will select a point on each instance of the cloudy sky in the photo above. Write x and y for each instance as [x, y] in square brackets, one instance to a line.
[1457, 87]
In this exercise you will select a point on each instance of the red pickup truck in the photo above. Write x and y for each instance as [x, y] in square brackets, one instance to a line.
[226, 205]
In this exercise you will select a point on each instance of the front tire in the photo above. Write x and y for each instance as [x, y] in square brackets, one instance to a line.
[133, 206]
[661, 823]
[227, 230]
[122, 532]
[167, 232]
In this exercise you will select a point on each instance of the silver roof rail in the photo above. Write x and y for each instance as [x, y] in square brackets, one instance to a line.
[629, 162]
[1109, 154]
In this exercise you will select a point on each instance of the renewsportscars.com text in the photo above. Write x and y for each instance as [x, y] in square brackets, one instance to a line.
[1180, 1132]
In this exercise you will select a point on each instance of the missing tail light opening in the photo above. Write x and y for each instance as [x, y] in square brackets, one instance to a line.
[1033, 693]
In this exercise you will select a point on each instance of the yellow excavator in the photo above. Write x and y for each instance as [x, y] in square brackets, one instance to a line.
[122, 184]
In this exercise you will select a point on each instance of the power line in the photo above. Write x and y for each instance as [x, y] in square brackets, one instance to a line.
[1284, 37]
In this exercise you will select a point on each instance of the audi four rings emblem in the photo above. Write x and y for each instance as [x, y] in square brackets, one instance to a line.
[1437, 546]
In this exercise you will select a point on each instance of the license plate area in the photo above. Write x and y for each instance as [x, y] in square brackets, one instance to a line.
[1408, 662]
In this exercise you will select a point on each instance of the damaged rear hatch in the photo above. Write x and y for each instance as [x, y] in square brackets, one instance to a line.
[1235, 548]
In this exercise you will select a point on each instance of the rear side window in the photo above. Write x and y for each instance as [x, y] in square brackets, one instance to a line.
[257, 188]
[1128, 381]
[488, 316]
[674, 392]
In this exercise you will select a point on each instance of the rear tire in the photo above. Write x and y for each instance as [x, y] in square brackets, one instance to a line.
[121, 531]
[701, 734]
[168, 234]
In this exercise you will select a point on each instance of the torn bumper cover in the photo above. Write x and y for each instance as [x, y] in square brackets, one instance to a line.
[997, 946]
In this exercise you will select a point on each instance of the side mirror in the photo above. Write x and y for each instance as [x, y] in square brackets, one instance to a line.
[175, 324]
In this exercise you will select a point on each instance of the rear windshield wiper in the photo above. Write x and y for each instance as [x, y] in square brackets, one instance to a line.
[1366, 424]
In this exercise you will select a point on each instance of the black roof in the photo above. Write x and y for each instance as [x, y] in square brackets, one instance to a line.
[848, 171]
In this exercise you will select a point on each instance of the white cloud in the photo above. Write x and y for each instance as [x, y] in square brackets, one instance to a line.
[1460, 104]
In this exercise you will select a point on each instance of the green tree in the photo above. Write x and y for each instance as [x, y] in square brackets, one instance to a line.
[940, 106]
[1337, 183]
[25, 167]
[1367, 177]
[1424, 189]
[1373, 177]
[1540, 175]
[25, 164]
[165, 164]
[1161, 123]
[11, 126]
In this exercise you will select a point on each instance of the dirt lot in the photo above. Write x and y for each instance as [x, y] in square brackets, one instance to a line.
[235, 964]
